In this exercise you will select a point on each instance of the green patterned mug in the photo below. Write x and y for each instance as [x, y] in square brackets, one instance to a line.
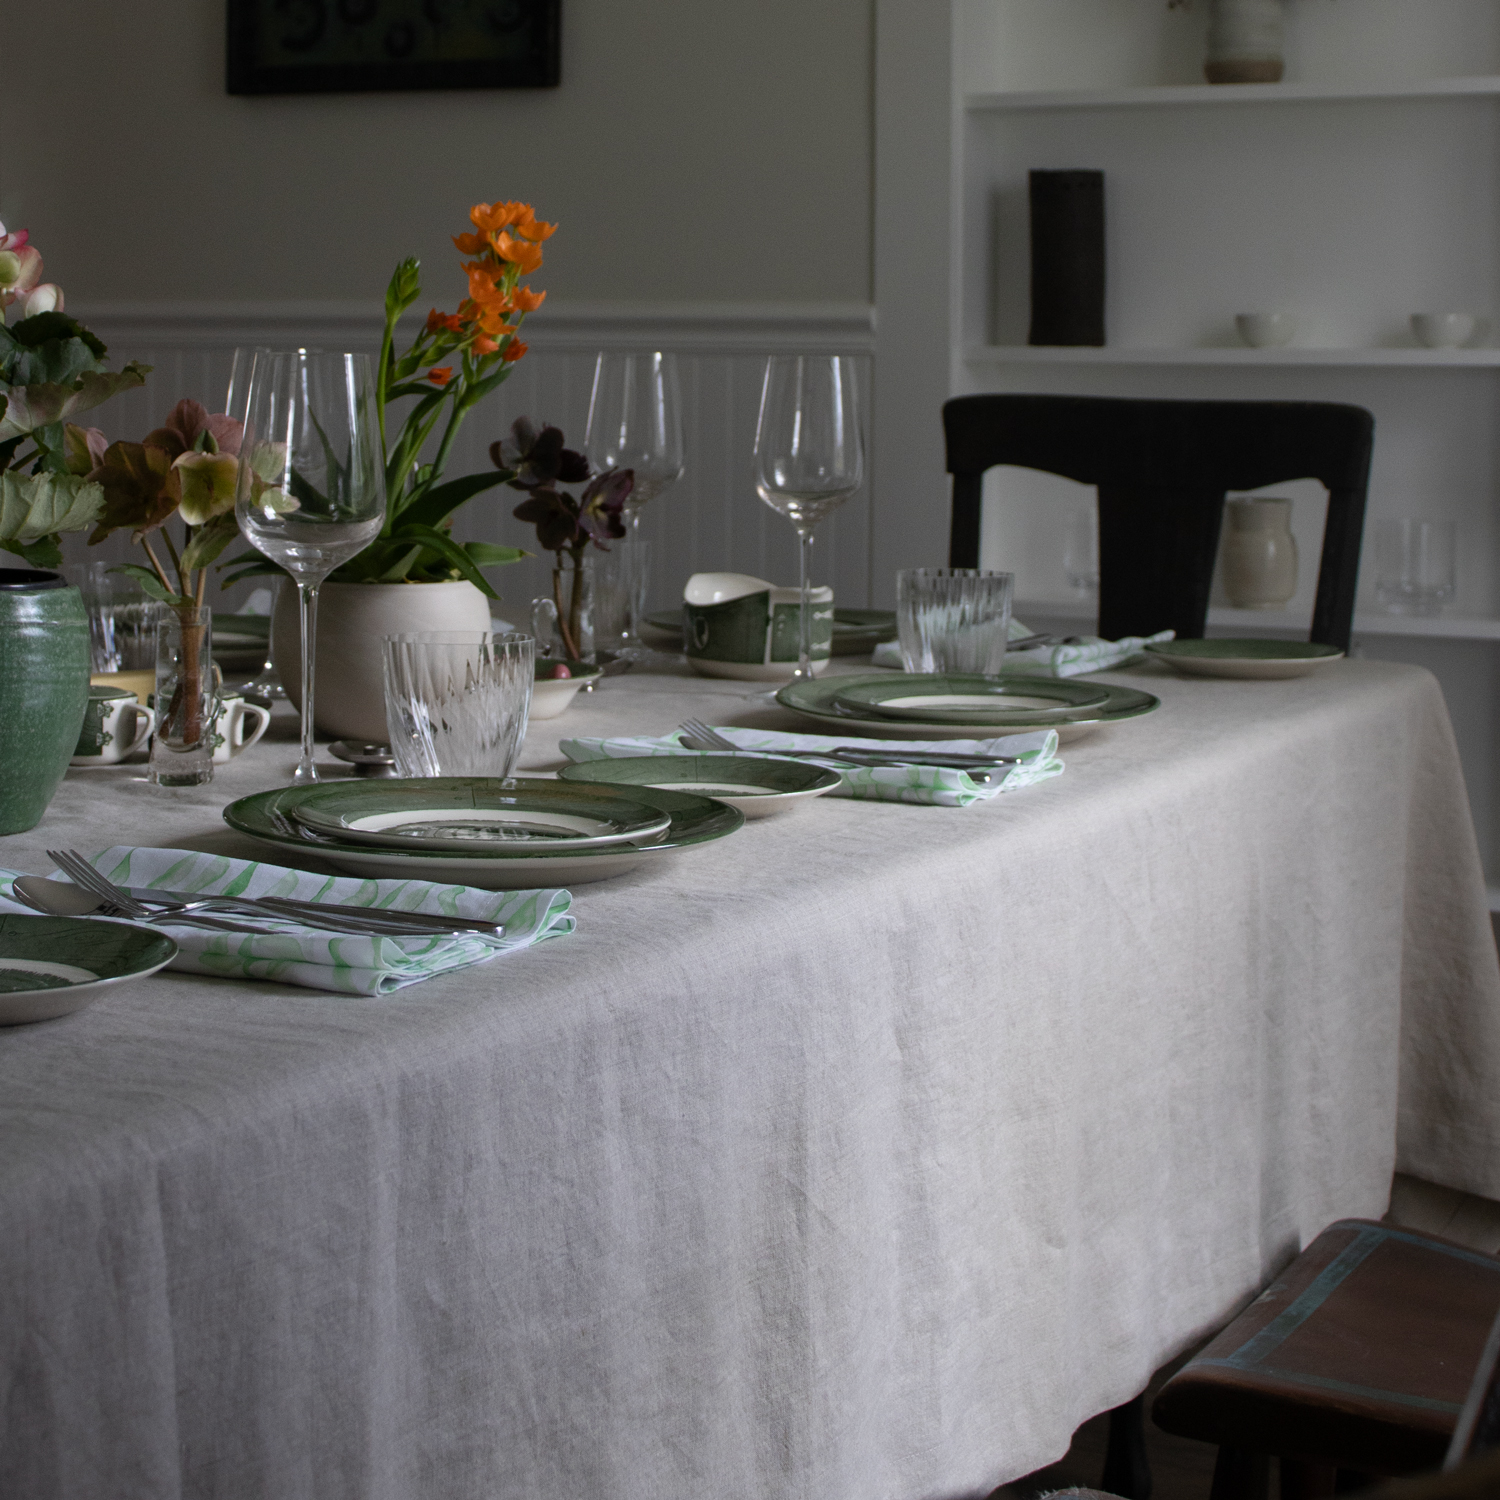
[742, 627]
[115, 727]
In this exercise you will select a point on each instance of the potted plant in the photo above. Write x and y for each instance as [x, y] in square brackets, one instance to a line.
[415, 576]
[51, 368]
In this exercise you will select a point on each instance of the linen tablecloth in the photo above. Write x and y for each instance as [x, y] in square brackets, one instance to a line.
[863, 1153]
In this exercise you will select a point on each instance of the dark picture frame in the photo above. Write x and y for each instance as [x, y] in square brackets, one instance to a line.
[363, 46]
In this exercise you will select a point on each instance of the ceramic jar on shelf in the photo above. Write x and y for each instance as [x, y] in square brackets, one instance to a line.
[1244, 41]
[1259, 553]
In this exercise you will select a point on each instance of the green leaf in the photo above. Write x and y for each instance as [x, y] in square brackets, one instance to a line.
[36, 505]
[148, 580]
[33, 406]
[44, 328]
[44, 553]
[209, 541]
[444, 499]
[404, 289]
[449, 550]
[488, 555]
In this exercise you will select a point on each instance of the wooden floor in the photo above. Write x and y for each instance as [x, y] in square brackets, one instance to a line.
[1183, 1470]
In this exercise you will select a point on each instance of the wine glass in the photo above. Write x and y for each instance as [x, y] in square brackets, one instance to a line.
[311, 490]
[266, 683]
[635, 422]
[809, 454]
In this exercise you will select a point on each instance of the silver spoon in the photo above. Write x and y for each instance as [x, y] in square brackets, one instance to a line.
[53, 898]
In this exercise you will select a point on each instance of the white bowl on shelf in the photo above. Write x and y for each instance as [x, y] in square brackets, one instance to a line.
[1448, 330]
[1266, 330]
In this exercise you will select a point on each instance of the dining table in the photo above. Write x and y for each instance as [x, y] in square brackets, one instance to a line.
[865, 1152]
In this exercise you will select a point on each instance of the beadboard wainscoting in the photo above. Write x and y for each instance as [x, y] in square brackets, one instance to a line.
[711, 519]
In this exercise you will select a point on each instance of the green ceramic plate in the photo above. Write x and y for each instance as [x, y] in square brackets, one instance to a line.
[959, 698]
[36, 984]
[269, 817]
[855, 631]
[424, 814]
[1245, 657]
[818, 700]
[759, 785]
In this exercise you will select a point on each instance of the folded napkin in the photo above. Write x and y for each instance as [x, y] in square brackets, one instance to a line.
[1092, 654]
[938, 786]
[294, 954]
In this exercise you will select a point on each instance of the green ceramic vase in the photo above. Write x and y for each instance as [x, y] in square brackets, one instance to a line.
[44, 690]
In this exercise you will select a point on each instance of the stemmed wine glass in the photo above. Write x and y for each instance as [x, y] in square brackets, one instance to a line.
[635, 422]
[266, 683]
[809, 454]
[311, 490]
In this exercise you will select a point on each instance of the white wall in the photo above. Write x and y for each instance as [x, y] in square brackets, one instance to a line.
[695, 150]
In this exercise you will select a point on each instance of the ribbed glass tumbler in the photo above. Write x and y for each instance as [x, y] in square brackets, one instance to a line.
[953, 619]
[457, 701]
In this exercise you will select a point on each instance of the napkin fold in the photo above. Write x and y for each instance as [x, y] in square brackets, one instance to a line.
[357, 964]
[936, 786]
[1092, 654]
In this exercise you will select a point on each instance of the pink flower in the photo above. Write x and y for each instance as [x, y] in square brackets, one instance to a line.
[48, 297]
[20, 270]
[15, 241]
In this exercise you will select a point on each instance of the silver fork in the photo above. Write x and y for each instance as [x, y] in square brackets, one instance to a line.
[310, 914]
[860, 755]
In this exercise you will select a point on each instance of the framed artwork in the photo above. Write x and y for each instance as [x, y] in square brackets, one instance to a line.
[345, 46]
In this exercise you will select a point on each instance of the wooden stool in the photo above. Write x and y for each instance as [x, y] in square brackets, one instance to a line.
[1357, 1357]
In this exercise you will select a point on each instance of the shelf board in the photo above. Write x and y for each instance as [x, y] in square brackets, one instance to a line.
[1281, 622]
[1113, 354]
[1234, 93]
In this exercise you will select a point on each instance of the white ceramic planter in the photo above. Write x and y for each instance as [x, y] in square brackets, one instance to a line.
[1244, 41]
[1259, 553]
[353, 618]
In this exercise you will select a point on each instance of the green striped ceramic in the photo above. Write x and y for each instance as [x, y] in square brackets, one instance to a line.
[50, 966]
[758, 785]
[981, 702]
[1244, 657]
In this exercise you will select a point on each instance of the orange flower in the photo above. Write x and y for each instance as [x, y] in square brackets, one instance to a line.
[527, 300]
[444, 322]
[490, 217]
[484, 344]
[441, 375]
[483, 288]
[471, 244]
[532, 227]
[520, 253]
[513, 351]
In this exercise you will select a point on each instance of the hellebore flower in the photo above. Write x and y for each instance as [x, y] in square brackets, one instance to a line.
[207, 481]
[603, 501]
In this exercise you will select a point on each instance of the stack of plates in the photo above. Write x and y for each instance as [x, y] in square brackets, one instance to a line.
[856, 632]
[937, 706]
[498, 835]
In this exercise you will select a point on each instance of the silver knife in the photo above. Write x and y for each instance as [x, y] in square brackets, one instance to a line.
[331, 913]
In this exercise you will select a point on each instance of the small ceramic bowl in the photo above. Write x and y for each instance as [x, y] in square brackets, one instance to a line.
[1266, 330]
[551, 695]
[758, 785]
[1444, 330]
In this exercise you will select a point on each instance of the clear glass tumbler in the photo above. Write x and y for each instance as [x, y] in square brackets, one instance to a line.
[457, 701]
[1415, 570]
[187, 698]
[953, 619]
[122, 620]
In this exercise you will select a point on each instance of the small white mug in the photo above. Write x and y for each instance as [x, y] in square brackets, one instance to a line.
[1266, 330]
[1443, 330]
[230, 736]
[115, 726]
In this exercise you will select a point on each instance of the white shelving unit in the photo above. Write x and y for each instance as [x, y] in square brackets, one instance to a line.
[1364, 188]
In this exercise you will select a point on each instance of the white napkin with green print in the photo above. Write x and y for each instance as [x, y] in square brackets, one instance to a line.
[293, 954]
[1092, 654]
[937, 786]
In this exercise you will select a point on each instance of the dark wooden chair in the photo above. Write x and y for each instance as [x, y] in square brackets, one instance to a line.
[1162, 469]
[1359, 1357]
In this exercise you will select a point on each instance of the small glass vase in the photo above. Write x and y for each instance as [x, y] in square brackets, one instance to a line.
[186, 700]
[564, 624]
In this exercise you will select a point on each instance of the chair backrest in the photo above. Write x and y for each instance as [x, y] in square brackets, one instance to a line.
[1162, 469]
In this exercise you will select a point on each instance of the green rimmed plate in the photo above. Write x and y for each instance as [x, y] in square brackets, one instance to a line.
[758, 785]
[37, 985]
[494, 816]
[269, 817]
[960, 698]
[818, 701]
[1244, 657]
[856, 632]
